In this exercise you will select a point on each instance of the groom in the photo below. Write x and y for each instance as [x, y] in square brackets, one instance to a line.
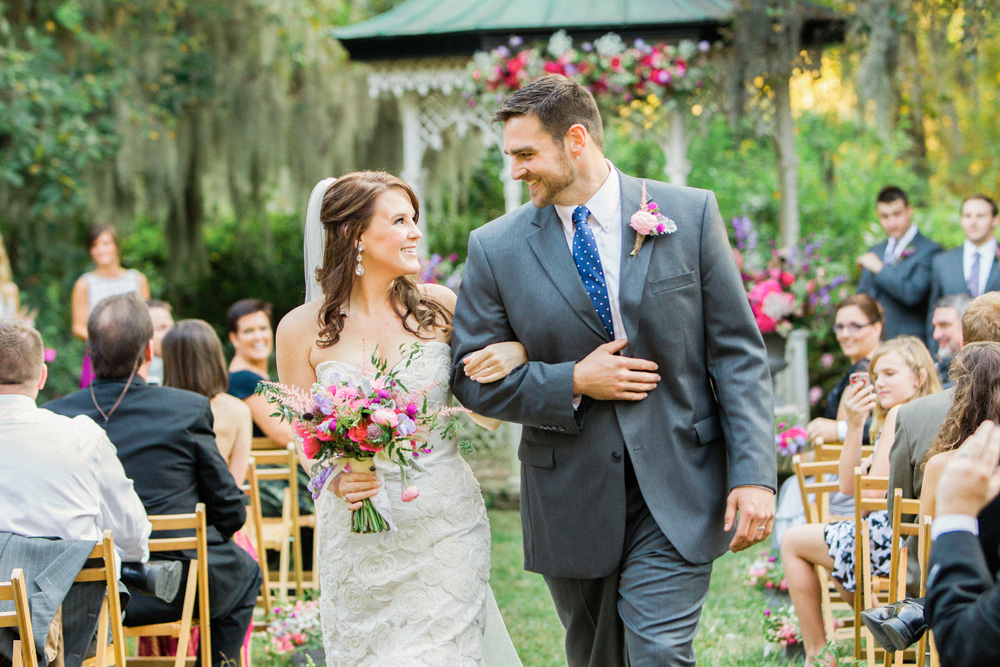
[647, 410]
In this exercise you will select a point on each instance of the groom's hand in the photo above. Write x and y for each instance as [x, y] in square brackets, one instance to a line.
[606, 376]
[755, 505]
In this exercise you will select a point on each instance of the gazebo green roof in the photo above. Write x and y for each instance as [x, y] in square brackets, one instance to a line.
[423, 28]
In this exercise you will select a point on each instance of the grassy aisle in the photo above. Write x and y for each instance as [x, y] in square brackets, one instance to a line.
[730, 634]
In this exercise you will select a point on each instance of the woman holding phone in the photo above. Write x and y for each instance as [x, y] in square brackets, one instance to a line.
[902, 370]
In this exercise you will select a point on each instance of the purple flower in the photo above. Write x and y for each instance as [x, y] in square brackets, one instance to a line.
[742, 227]
[503, 52]
[515, 41]
[382, 393]
[317, 482]
[324, 403]
[50, 355]
[405, 427]
[374, 433]
[660, 228]
[587, 47]
[704, 45]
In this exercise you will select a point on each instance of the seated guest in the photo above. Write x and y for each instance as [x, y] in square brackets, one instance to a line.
[897, 271]
[902, 369]
[162, 316]
[68, 462]
[249, 324]
[918, 422]
[858, 327]
[947, 334]
[193, 360]
[165, 442]
[963, 597]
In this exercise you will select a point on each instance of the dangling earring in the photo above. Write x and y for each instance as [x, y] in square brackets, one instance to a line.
[360, 270]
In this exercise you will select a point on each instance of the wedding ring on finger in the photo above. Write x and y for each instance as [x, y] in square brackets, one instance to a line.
[761, 527]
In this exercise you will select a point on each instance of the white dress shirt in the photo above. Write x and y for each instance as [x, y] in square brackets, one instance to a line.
[987, 252]
[61, 477]
[950, 523]
[606, 224]
[894, 248]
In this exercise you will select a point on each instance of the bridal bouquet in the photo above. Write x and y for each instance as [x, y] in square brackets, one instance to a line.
[346, 425]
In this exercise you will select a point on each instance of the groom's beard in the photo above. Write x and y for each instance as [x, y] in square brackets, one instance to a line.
[548, 188]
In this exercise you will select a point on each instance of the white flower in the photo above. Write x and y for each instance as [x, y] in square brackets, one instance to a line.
[609, 45]
[560, 43]
[377, 569]
[687, 49]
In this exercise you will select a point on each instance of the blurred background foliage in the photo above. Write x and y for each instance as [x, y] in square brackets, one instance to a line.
[198, 129]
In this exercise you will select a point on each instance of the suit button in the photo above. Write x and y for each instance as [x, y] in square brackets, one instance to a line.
[616, 456]
[562, 428]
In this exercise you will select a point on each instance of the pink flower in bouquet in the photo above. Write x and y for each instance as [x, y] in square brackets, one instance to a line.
[643, 222]
[359, 432]
[764, 323]
[310, 445]
[412, 410]
[410, 494]
[385, 417]
[787, 279]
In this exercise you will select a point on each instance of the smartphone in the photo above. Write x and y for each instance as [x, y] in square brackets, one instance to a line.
[861, 378]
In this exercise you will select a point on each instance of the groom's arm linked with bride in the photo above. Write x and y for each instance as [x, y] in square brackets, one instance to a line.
[639, 448]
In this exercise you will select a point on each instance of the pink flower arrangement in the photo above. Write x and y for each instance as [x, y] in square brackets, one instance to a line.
[294, 627]
[348, 421]
[766, 573]
[786, 287]
[782, 627]
[790, 440]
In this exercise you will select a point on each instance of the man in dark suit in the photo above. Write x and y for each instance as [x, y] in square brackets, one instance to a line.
[167, 447]
[897, 272]
[630, 486]
[971, 268]
[963, 599]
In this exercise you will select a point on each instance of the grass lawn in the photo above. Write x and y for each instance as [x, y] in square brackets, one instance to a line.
[730, 633]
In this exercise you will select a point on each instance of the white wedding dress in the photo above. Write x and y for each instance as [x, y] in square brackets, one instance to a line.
[418, 596]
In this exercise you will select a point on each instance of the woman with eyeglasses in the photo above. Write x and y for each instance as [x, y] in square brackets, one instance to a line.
[858, 327]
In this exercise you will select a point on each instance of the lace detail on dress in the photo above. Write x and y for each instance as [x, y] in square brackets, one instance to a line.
[416, 596]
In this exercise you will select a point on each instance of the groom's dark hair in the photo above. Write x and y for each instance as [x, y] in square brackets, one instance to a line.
[559, 103]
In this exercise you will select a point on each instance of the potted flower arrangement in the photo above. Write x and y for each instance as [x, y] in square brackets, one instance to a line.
[789, 440]
[781, 630]
[294, 635]
[442, 270]
[766, 574]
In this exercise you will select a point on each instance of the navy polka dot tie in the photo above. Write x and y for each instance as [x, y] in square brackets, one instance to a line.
[588, 263]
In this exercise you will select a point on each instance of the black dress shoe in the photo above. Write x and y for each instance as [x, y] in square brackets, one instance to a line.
[896, 626]
[161, 579]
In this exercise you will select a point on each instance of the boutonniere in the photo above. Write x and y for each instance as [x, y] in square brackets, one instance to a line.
[907, 251]
[648, 221]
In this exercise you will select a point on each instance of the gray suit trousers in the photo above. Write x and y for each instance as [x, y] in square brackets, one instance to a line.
[648, 610]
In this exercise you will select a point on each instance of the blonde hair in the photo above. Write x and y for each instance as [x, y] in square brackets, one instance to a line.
[915, 355]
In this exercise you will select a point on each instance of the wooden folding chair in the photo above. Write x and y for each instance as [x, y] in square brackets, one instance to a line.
[111, 610]
[869, 590]
[15, 591]
[265, 443]
[255, 528]
[196, 587]
[816, 487]
[284, 533]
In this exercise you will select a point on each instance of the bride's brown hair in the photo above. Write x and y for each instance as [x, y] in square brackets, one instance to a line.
[347, 210]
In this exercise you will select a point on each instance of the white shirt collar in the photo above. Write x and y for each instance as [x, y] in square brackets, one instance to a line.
[903, 241]
[986, 251]
[16, 402]
[603, 205]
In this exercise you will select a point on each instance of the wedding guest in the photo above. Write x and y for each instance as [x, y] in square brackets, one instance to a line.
[250, 332]
[972, 268]
[897, 271]
[858, 326]
[193, 360]
[947, 333]
[161, 313]
[165, 442]
[963, 598]
[902, 369]
[107, 278]
[10, 296]
[68, 462]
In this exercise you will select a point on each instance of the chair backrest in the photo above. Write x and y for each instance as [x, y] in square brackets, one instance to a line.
[831, 451]
[15, 591]
[111, 611]
[256, 522]
[197, 542]
[284, 465]
[265, 443]
[811, 476]
[866, 586]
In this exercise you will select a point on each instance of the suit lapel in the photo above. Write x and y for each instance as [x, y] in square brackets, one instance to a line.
[633, 269]
[549, 245]
[993, 281]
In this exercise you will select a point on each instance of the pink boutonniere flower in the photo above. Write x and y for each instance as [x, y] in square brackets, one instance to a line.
[648, 221]
[907, 252]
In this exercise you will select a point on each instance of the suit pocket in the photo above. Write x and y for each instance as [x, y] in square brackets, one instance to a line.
[671, 283]
[539, 456]
[708, 430]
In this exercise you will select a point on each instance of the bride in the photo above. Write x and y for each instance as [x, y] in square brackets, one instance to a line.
[420, 595]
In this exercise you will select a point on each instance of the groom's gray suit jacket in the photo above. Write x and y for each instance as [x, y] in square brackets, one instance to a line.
[707, 427]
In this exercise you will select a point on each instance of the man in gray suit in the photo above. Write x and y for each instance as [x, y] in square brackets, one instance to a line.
[646, 402]
[918, 422]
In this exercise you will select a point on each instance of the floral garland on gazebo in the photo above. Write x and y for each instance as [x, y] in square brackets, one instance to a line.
[636, 82]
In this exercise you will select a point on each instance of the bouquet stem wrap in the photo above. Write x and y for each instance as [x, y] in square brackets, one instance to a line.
[375, 515]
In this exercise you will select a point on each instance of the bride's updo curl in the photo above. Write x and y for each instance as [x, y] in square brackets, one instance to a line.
[347, 209]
